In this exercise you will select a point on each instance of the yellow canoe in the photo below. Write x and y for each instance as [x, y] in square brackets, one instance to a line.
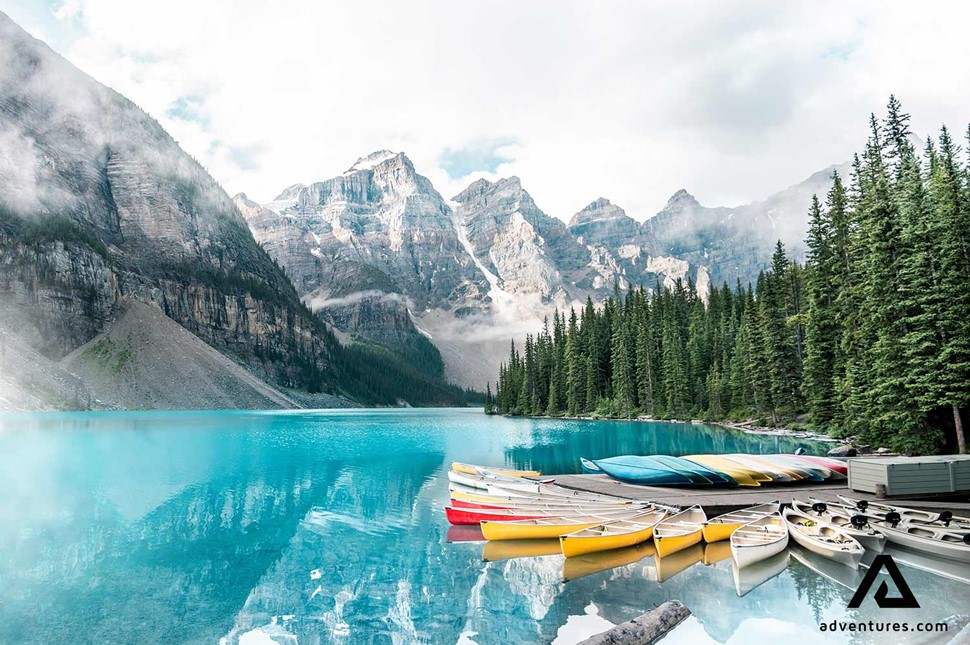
[679, 531]
[553, 527]
[472, 469]
[669, 566]
[722, 526]
[611, 535]
[590, 563]
[742, 475]
[508, 549]
[716, 552]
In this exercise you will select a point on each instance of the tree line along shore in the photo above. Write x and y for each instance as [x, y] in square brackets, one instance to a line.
[870, 337]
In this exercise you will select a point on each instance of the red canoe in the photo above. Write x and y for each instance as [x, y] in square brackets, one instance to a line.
[474, 516]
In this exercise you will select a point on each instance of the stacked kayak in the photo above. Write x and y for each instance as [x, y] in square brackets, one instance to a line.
[716, 470]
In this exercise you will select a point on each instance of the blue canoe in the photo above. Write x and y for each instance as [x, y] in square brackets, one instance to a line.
[642, 470]
[712, 476]
[589, 467]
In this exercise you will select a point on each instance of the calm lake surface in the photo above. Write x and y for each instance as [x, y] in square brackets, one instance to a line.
[328, 527]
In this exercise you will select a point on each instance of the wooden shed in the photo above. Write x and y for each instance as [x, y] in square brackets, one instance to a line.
[911, 475]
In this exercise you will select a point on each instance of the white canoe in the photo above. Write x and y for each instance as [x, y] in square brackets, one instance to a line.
[721, 527]
[943, 543]
[836, 515]
[484, 479]
[759, 539]
[823, 539]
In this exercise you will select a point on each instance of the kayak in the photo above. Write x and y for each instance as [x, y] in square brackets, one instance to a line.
[759, 539]
[855, 524]
[642, 470]
[823, 539]
[589, 467]
[743, 476]
[722, 526]
[552, 527]
[612, 535]
[472, 469]
[679, 531]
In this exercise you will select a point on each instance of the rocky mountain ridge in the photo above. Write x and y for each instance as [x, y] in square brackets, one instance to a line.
[100, 208]
[378, 242]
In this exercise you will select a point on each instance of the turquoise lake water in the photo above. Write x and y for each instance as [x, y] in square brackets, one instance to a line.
[328, 527]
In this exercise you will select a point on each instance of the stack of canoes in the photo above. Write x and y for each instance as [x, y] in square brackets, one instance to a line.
[520, 515]
[716, 470]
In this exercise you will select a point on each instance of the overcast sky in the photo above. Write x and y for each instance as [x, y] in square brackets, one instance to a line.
[626, 100]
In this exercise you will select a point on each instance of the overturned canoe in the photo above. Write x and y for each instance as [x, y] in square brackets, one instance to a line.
[679, 531]
[823, 539]
[834, 465]
[644, 470]
[612, 535]
[759, 539]
[742, 476]
[763, 466]
[721, 527]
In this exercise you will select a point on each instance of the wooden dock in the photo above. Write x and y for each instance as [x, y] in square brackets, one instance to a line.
[724, 500]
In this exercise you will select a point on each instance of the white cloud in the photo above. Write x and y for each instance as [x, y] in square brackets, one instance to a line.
[623, 99]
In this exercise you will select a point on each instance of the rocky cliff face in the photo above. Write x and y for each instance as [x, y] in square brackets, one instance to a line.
[377, 248]
[98, 203]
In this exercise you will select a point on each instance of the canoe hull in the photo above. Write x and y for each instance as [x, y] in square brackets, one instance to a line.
[493, 530]
[573, 546]
[674, 543]
[717, 532]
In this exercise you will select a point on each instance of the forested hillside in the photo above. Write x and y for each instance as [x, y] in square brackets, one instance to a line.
[871, 337]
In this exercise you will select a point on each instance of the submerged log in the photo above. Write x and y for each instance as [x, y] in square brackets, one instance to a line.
[645, 629]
